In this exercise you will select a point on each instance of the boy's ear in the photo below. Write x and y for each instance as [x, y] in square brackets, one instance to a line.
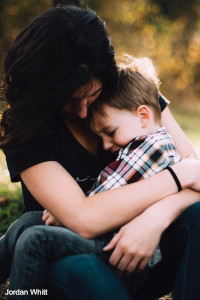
[143, 115]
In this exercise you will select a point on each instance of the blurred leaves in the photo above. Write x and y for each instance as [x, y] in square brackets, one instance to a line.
[167, 31]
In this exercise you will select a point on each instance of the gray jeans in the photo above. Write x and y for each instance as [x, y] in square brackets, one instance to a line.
[29, 246]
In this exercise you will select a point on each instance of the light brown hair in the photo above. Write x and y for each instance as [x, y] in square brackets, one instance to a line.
[137, 85]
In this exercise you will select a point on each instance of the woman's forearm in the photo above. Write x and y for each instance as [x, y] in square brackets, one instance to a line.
[102, 212]
[117, 207]
[167, 210]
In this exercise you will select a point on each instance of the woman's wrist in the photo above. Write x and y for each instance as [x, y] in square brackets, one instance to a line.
[179, 187]
[158, 216]
[184, 173]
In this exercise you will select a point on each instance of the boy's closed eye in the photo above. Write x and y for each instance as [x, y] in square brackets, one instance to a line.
[111, 133]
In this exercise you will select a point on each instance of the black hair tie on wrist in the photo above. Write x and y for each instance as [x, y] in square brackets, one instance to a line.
[175, 178]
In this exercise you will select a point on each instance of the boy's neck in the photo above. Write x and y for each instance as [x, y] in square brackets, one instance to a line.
[150, 128]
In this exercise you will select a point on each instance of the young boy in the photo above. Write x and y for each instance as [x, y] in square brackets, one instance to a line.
[129, 125]
[130, 122]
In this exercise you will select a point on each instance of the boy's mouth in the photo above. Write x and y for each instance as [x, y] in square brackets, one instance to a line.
[113, 150]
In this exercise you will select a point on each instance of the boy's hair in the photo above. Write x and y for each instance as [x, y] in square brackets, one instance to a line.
[137, 85]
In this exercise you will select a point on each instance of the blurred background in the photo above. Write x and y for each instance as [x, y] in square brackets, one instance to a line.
[166, 31]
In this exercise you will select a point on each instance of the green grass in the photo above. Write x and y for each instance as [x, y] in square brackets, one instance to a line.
[11, 200]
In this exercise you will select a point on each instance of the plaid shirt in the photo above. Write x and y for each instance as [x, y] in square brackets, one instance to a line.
[143, 157]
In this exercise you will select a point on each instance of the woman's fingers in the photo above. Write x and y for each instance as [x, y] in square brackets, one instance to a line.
[115, 256]
[122, 265]
[133, 265]
[143, 263]
[112, 243]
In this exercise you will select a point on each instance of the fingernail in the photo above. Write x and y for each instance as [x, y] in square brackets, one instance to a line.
[105, 248]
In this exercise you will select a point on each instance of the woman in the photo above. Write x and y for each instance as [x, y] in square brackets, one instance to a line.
[55, 69]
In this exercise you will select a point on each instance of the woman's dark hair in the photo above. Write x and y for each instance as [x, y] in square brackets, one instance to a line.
[58, 52]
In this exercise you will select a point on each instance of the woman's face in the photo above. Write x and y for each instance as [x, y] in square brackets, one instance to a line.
[82, 98]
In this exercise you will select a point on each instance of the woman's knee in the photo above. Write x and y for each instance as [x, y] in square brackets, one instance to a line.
[94, 278]
[186, 229]
[82, 266]
[27, 220]
[191, 217]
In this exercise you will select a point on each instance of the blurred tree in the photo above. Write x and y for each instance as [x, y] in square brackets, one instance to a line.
[175, 9]
[66, 2]
[167, 31]
[148, 28]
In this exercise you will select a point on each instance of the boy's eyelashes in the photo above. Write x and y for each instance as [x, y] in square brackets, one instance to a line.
[111, 133]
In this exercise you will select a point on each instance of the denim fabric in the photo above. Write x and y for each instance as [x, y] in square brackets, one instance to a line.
[83, 277]
[178, 271]
[38, 245]
[8, 241]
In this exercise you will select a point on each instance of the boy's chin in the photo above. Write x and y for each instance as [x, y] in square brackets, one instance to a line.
[115, 150]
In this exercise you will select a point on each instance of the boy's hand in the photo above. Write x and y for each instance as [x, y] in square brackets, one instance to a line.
[49, 219]
[135, 243]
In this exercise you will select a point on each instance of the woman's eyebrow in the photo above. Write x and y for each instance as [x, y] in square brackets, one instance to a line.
[95, 92]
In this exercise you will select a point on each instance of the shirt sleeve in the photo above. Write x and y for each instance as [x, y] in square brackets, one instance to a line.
[163, 102]
[145, 161]
[29, 155]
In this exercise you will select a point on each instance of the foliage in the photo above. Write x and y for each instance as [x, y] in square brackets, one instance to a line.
[11, 209]
[172, 40]
[11, 200]
[167, 31]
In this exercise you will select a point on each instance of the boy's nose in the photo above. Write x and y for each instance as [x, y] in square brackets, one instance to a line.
[107, 145]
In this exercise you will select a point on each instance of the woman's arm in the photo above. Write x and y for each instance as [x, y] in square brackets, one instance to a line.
[105, 211]
[136, 241]
[181, 142]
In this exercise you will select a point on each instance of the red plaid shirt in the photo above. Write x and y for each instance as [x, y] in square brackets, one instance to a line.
[144, 156]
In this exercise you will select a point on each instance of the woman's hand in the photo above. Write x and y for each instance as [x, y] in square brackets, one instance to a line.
[135, 242]
[49, 219]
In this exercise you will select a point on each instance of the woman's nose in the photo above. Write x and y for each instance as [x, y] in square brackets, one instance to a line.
[82, 109]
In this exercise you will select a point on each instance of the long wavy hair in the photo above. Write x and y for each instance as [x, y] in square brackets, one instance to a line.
[58, 52]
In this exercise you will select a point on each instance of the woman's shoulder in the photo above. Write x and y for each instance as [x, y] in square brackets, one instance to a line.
[46, 147]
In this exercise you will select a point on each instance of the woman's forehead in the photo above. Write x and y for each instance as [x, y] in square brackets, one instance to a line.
[88, 89]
